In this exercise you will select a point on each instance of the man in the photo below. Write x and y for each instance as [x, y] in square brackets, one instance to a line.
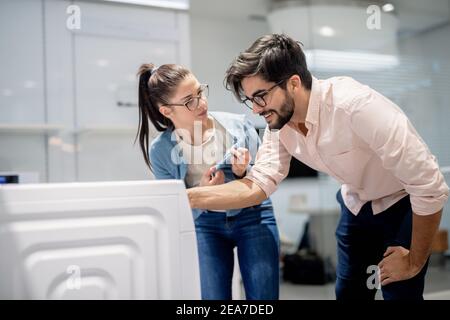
[392, 191]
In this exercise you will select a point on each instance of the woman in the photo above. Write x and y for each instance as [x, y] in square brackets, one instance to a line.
[205, 148]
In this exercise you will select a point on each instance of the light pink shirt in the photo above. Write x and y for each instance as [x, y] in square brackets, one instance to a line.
[363, 140]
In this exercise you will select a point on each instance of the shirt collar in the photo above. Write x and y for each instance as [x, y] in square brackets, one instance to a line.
[312, 115]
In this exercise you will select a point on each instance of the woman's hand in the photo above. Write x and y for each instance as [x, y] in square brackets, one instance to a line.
[239, 161]
[212, 177]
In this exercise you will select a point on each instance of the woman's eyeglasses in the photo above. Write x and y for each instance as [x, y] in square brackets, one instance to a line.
[193, 102]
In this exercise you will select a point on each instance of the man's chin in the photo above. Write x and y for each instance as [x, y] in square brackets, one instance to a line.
[276, 124]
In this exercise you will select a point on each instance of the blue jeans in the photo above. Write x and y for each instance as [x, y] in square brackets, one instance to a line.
[362, 241]
[255, 235]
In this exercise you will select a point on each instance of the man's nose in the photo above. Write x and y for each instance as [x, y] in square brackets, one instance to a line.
[256, 108]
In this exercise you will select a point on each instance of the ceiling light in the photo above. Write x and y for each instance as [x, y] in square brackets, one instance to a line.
[388, 7]
[327, 31]
[102, 63]
[29, 84]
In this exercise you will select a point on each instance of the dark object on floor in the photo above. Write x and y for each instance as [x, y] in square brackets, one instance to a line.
[306, 267]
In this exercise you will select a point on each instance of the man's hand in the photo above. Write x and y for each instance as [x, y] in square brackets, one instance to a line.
[396, 266]
[211, 177]
[402, 264]
[240, 160]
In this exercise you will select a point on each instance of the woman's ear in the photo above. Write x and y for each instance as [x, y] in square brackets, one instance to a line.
[166, 112]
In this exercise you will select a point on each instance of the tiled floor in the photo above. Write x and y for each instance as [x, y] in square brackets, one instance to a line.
[437, 287]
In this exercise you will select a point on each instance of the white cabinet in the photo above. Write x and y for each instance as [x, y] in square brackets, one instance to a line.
[110, 240]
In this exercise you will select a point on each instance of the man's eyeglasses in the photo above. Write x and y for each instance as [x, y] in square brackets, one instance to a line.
[259, 97]
[193, 102]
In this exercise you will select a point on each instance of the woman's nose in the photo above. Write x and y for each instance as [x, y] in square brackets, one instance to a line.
[203, 104]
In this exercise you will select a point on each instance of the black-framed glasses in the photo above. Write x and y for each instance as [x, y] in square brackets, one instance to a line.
[193, 102]
[259, 97]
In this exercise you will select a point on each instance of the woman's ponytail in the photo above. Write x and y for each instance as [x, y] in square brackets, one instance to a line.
[156, 86]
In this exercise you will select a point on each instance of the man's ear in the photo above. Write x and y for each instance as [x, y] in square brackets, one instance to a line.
[294, 82]
[166, 112]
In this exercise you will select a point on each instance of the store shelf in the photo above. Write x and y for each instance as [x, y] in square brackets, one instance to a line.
[55, 128]
[30, 128]
[106, 129]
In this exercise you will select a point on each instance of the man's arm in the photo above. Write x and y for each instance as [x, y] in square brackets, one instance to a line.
[402, 264]
[424, 231]
[388, 132]
[270, 168]
[233, 195]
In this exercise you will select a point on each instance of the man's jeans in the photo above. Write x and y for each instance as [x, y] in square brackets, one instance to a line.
[361, 243]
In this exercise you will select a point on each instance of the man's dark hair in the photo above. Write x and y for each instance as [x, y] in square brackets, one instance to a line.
[274, 58]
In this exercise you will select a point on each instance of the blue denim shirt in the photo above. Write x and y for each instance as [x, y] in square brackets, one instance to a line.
[168, 163]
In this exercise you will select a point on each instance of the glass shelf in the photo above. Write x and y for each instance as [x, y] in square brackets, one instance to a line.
[30, 128]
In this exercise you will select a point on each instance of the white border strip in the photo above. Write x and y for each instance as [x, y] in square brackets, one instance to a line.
[179, 5]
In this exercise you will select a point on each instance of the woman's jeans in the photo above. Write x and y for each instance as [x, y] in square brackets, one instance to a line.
[254, 233]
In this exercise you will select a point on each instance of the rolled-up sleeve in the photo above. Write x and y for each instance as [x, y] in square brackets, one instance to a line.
[271, 163]
[389, 133]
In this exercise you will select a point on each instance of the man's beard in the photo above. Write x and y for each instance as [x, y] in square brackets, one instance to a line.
[284, 115]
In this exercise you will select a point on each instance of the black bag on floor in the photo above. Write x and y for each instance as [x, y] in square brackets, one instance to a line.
[306, 267]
